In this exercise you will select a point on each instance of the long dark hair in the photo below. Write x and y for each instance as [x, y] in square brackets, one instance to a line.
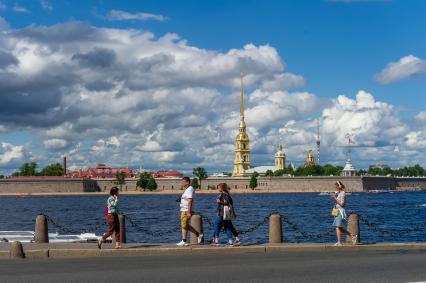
[113, 191]
[224, 187]
[340, 185]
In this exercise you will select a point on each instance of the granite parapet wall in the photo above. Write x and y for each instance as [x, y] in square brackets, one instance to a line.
[416, 182]
[51, 185]
[290, 184]
[280, 184]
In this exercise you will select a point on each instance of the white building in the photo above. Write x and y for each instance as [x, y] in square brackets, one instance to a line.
[349, 170]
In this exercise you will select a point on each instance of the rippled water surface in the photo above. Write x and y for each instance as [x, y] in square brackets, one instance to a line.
[394, 212]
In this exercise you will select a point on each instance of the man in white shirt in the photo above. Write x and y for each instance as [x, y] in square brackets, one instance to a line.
[186, 203]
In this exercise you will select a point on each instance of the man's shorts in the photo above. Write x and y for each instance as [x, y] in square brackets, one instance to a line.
[184, 219]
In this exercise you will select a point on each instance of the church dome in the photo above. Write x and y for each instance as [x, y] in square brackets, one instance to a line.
[242, 137]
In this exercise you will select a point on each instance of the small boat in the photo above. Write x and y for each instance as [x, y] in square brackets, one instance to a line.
[326, 193]
[28, 237]
[378, 191]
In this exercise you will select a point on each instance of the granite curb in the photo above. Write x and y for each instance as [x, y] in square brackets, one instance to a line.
[45, 251]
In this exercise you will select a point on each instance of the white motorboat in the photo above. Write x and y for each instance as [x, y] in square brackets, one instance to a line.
[28, 237]
[326, 193]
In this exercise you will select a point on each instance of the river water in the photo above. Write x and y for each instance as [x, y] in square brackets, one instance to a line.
[393, 212]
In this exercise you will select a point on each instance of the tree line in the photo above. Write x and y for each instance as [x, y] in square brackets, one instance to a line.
[410, 171]
[330, 170]
[30, 169]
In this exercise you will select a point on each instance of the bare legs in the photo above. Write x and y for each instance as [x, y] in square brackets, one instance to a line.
[339, 231]
[191, 229]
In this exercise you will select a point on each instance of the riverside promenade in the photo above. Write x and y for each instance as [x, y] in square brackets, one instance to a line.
[259, 263]
[68, 250]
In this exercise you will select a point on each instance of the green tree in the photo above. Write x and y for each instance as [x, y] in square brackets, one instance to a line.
[28, 169]
[120, 179]
[194, 183]
[279, 172]
[1, 176]
[143, 180]
[269, 173]
[290, 170]
[253, 180]
[55, 169]
[152, 184]
[200, 173]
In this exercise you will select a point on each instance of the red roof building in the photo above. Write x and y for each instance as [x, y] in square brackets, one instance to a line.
[101, 171]
[168, 174]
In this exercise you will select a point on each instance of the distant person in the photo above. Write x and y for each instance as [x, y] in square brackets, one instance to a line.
[224, 216]
[112, 219]
[341, 219]
[186, 205]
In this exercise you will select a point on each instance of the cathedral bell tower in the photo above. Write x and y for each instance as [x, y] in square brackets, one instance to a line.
[279, 158]
[242, 142]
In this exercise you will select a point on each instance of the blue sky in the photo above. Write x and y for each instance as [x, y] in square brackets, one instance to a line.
[338, 47]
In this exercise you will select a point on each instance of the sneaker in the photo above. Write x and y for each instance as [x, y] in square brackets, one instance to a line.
[182, 244]
[99, 242]
[200, 238]
[118, 245]
[237, 242]
[230, 243]
[354, 239]
[338, 244]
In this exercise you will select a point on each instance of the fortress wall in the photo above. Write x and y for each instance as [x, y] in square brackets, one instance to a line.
[379, 183]
[107, 184]
[47, 186]
[312, 184]
[290, 184]
[284, 184]
[419, 182]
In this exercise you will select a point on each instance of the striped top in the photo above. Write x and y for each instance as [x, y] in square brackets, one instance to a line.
[112, 203]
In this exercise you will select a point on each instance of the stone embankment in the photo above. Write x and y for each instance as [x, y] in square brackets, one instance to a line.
[265, 184]
[56, 250]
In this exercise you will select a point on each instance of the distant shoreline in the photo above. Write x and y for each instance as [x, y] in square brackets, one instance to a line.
[160, 192]
[178, 192]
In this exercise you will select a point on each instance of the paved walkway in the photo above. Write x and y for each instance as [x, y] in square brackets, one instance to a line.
[332, 265]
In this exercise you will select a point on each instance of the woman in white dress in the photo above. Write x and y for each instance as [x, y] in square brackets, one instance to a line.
[341, 219]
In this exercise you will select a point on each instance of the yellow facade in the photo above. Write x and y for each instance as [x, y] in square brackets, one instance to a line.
[242, 142]
[280, 158]
[310, 159]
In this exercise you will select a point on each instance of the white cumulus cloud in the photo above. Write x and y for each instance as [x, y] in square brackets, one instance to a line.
[55, 143]
[406, 67]
[20, 9]
[118, 15]
[421, 116]
[126, 97]
[9, 153]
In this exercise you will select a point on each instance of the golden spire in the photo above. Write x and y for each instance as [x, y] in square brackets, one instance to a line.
[242, 97]
[280, 147]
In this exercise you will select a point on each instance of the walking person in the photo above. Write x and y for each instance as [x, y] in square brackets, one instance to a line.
[186, 205]
[224, 216]
[112, 219]
[340, 217]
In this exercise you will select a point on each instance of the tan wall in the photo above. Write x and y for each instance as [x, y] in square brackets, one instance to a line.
[47, 186]
[379, 183]
[284, 184]
[292, 184]
[411, 182]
